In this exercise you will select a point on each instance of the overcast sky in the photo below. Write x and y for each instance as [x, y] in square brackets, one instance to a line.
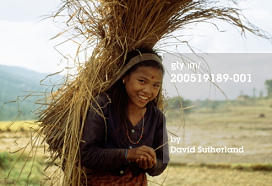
[25, 39]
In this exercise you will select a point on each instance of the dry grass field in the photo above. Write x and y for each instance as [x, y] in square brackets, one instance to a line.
[247, 126]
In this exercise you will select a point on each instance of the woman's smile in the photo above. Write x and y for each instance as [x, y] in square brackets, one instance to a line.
[143, 85]
[143, 97]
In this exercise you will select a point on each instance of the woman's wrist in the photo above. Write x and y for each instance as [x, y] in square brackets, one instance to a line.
[128, 158]
[126, 152]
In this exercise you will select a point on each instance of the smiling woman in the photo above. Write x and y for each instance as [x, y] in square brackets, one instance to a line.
[118, 131]
[119, 141]
[141, 86]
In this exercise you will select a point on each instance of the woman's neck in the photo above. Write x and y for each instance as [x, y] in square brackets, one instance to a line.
[135, 114]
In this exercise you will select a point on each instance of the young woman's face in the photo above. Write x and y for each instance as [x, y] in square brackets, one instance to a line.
[143, 85]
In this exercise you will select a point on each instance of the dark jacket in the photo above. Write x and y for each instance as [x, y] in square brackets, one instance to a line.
[104, 141]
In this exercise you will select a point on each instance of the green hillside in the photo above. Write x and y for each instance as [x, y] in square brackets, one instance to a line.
[16, 84]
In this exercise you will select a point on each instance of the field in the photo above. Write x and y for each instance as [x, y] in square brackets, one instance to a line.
[248, 126]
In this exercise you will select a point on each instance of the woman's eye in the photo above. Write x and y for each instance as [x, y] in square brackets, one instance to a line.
[157, 85]
[142, 81]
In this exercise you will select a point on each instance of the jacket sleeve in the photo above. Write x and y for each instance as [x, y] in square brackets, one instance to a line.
[93, 155]
[162, 153]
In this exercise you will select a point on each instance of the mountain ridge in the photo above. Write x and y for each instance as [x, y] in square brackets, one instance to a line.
[17, 84]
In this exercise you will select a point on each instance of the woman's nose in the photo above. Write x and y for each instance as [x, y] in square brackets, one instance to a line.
[148, 89]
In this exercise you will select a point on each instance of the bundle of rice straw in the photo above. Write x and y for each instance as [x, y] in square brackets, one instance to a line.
[114, 27]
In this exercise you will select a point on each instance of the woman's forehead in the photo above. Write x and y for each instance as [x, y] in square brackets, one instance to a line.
[150, 72]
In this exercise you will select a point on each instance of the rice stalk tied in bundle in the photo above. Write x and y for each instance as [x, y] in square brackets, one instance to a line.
[111, 28]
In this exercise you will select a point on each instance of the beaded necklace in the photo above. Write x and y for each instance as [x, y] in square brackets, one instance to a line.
[141, 136]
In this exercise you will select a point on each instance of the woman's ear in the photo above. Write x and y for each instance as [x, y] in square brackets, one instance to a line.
[124, 79]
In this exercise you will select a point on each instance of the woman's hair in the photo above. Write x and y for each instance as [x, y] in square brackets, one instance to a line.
[118, 90]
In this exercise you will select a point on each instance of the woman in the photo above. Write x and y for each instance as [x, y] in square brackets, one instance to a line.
[124, 127]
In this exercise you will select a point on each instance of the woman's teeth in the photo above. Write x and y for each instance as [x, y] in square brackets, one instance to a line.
[142, 97]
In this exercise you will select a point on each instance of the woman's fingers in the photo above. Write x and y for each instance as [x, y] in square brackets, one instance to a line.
[143, 151]
[139, 163]
[145, 163]
[147, 155]
[148, 152]
[150, 163]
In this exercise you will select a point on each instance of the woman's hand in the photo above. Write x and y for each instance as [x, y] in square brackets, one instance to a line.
[144, 156]
[145, 163]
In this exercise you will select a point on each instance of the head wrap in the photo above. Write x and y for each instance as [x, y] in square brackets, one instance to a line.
[133, 61]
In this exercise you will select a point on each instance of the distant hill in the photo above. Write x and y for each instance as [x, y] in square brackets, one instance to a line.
[15, 84]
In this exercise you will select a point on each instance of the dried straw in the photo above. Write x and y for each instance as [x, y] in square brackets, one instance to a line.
[113, 28]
